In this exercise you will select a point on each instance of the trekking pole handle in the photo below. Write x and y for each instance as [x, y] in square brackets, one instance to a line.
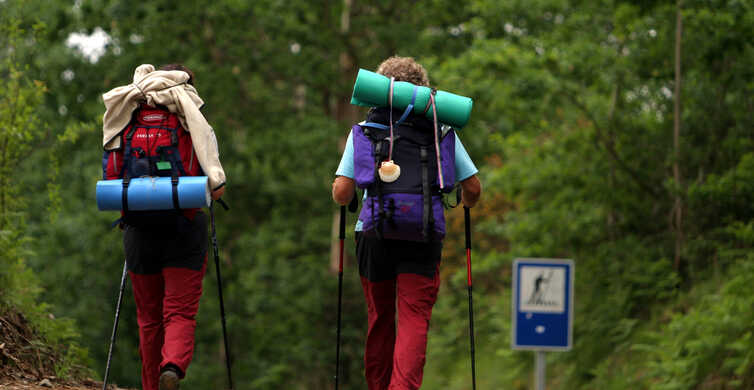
[467, 222]
[353, 206]
[342, 227]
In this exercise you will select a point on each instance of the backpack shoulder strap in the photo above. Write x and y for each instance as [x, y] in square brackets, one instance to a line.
[375, 125]
[409, 108]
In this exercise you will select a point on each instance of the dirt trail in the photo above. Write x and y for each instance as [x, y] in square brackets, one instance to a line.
[22, 384]
[27, 363]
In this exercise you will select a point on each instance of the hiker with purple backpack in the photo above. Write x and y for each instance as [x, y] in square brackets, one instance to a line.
[404, 167]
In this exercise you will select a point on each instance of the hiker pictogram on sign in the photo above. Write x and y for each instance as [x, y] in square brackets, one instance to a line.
[542, 289]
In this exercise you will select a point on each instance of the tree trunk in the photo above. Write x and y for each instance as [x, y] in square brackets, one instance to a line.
[344, 113]
[678, 204]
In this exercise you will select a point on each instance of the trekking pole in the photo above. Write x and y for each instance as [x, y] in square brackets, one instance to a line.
[467, 220]
[220, 287]
[115, 327]
[342, 236]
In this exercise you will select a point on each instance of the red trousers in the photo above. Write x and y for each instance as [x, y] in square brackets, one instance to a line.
[166, 306]
[395, 355]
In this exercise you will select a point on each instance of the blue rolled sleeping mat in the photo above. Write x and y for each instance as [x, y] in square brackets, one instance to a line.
[154, 193]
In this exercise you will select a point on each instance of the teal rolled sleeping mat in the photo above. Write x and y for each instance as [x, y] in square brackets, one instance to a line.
[372, 89]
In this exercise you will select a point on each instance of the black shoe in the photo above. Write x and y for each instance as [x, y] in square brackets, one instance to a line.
[169, 379]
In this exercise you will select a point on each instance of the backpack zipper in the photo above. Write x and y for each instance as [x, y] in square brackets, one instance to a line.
[191, 162]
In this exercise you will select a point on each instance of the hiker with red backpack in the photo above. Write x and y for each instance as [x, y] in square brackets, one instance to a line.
[405, 166]
[154, 127]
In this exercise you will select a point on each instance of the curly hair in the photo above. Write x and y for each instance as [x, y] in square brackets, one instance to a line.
[404, 69]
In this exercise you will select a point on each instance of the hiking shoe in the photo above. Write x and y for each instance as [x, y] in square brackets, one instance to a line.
[169, 379]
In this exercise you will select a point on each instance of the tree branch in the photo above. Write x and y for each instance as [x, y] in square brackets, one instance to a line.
[601, 137]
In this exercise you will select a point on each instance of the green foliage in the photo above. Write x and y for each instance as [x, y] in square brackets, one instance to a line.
[20, 127]
[709, 344]
[20, 130]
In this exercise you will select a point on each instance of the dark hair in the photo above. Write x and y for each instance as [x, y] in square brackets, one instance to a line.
[181, 68]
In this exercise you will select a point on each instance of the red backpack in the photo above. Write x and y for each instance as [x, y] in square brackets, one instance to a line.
[153, 144]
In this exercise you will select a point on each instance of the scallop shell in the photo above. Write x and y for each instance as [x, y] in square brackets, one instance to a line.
[389, 171]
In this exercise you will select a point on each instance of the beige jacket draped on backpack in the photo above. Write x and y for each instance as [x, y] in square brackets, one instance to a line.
[169, 89]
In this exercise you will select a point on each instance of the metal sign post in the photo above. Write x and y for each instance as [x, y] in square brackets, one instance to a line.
[540, 367]
[542, 309]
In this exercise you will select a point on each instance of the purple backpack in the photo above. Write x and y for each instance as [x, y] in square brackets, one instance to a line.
[411, 207]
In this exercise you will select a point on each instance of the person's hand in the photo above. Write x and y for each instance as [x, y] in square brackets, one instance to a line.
[471, 191]
[342, 190]
[218, 193]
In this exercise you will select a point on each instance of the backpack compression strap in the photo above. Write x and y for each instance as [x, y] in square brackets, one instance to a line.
[176, 165]
[428, 219]
[124, 196]
[126, 167]
[174, 181]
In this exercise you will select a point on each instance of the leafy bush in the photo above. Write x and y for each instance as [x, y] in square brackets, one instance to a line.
[20, 128]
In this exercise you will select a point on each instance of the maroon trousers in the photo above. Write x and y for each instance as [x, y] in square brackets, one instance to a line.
[166, 306]
[166, 267]
[398, 278]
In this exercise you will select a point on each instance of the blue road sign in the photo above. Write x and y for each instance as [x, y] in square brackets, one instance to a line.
[542, 304]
